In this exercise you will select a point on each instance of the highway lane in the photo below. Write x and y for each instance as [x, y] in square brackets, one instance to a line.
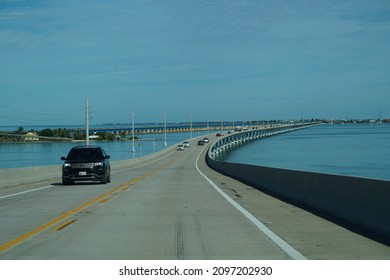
[162, 210]
[165, 209]
[27, 210]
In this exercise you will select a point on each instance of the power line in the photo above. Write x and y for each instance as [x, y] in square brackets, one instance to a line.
[28, 117]
[43, 114]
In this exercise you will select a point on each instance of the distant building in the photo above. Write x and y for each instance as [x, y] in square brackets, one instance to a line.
[31, 136]
[94, 136]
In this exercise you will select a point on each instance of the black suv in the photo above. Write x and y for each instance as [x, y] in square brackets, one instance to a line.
[86, 163]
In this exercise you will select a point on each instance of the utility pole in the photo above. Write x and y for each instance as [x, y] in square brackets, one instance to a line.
[190, 126]
[86, 122]
[132, 121]
[165, 129]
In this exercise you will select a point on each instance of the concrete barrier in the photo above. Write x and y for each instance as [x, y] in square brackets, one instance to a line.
[122, 164]
[362, 203]
[18, 176]
[10, 177]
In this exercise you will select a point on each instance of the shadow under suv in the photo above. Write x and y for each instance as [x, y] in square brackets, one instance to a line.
[86, 163]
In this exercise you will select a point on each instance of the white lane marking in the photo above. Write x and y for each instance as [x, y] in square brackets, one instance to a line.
[33, 190]
[287, 248]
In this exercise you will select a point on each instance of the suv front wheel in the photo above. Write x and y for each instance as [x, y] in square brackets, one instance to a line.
[106, 178]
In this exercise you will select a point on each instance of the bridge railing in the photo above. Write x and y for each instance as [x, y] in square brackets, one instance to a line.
[232, 141]
[360, 204]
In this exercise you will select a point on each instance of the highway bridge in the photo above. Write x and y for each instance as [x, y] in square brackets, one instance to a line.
[168, 206]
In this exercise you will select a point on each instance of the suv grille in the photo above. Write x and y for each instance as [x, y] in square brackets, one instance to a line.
[82, 165]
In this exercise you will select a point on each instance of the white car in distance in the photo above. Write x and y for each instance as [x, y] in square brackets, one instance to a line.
[186, 144]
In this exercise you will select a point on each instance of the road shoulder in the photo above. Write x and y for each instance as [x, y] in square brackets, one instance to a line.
[313, 236]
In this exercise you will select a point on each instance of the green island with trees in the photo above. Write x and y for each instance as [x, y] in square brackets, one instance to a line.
[59, 134]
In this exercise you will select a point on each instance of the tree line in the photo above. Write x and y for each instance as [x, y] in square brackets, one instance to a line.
[75, 134]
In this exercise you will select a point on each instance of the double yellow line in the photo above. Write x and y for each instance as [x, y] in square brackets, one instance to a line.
[12, 243]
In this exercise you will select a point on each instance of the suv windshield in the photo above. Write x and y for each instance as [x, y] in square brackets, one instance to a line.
[85, 154]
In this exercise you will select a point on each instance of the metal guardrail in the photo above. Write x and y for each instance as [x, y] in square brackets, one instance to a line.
[236, 139]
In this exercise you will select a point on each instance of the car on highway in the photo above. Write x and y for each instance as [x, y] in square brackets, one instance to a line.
[86, 163]
[186, 144]
[200, 143]
[206, 140]
[180, 147]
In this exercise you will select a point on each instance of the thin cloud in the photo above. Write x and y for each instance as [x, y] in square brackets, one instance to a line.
[145, 52]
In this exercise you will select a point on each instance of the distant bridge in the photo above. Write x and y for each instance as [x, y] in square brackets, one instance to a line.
[171, 205]
[179, 127]
[139, 129]
[158, 129]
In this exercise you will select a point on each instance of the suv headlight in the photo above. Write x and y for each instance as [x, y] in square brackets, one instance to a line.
[98, 164]
[67, 165]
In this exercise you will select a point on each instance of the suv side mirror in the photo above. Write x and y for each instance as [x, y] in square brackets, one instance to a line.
[63, 158]
[107, 156]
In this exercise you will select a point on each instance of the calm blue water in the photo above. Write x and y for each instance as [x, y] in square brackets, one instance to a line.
[358, 150]
[361, 150]
[38, 154]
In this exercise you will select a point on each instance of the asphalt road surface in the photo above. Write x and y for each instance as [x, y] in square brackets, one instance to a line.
[171, 208]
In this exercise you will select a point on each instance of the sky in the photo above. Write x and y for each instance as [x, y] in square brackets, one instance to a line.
[195, 59]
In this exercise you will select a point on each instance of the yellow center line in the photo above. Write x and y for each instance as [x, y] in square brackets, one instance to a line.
[12, 243]
[64, 225]
[104, 200]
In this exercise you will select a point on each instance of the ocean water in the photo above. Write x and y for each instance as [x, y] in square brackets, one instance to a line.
[361, 150]
[38, 154]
